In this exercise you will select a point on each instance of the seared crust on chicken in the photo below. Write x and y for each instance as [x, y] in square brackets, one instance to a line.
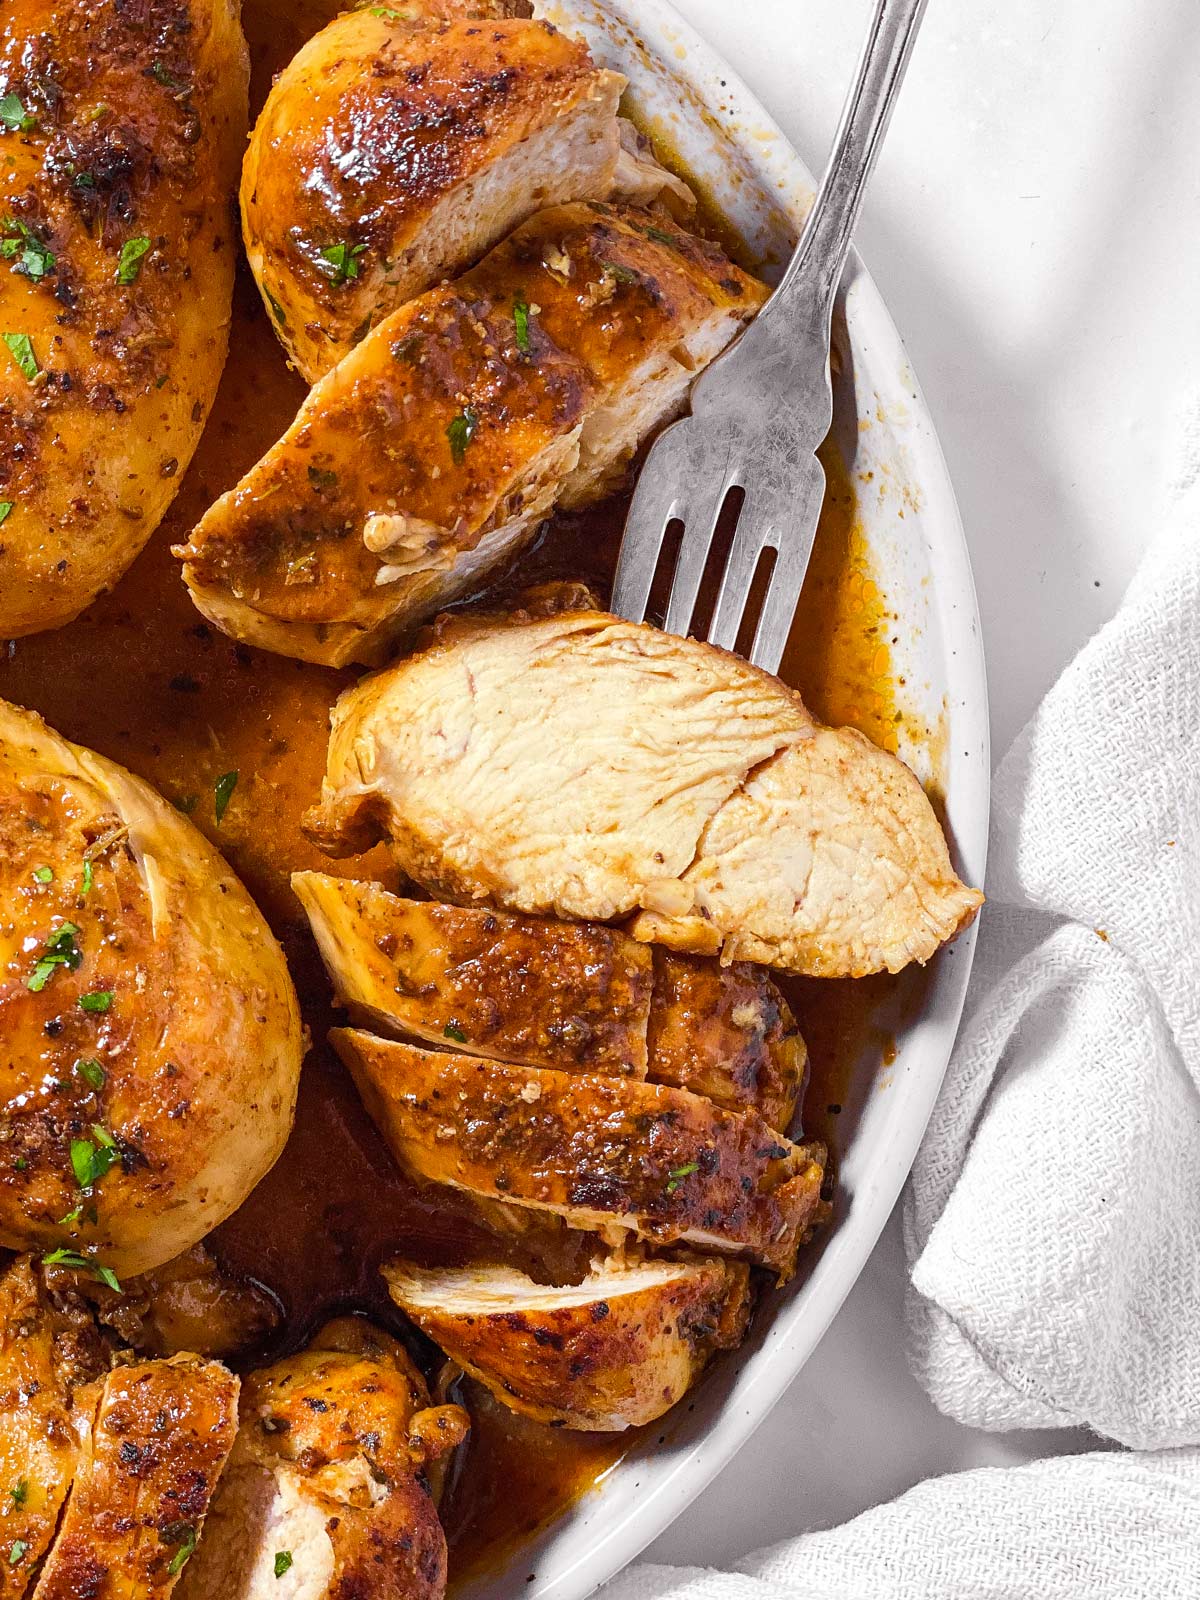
[726, 1033]
[149, 1032]
[392, 154]
[326, 1470]
[117, 251]
[582, 766]
[437, 446]
[49, 1354]
[610, 1353]
[150, 1464]
[607, 1154]
[546, 994]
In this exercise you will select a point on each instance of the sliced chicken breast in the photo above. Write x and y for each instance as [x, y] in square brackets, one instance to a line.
[161, 1434]
[438, 445]
[582, 766]
[323, 1498]
[726, 1033]
[150, 1037]
[611, 1155]
[612, 1352]
[552, 994]
[123, 129]
[50, 1358]
[391, 154]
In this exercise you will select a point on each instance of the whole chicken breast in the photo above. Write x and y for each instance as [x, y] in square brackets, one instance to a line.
[582, 766]
[51, 1356]
[440, 443]
[610, 1155]
[119, 150]
[150, 1462]
[612, 1352]
[150, 1037]
[394, 152]
[324, 1497]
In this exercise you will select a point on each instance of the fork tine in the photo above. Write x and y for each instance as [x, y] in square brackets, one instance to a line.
[752, 534]
[693, 552]
[787, 580]
[655, 502]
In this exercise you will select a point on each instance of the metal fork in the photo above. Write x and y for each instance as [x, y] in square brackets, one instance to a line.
[760, 411]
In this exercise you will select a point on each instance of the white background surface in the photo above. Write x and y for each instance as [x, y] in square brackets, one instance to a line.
[1034, 226]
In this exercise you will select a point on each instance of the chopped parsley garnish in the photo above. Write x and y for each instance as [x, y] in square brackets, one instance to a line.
[5, 507]
[20, 245]
[20, 1164]
[660, 237]
[85, 883]
[71, 1218]
[129, 265]
[678, 1174]
[223, 793]
[453, 1031]
[17, 1553]
[342, 260]
[184, 1535]
[44, 874]
[14, 115]
[99, 1000]
[90, 1070]
[283, 1561]
[620, 273]
[521, 325]
[19, 1492]
[460, 433]
[277, 310]
[322, 478]
[390, 16]
[160, 75]
[91, 1162]
[20, 348]
[78, 1263]
[60, 951]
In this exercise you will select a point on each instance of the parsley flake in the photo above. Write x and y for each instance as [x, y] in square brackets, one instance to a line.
[660, 237]
[19, 1492]
[5, 507]
[460, 433]
[99, 1000]
[60, 951]
[44, 874]
[90, 1070]
[283, 1561]
[342, 260]
[183, 1534]
[129, 265]
[17, 1553]
[78, 1263]
[521, 325]
[322, 478]
[88, 878]
[20, 348]
[678, 1174]
[277, 310]
[91, 1162]
[20, 245]
[453, 1031]
[223, 794]
[14, 116]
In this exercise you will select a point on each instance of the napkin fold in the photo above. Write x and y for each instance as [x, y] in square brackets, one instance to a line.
[1069, 1528]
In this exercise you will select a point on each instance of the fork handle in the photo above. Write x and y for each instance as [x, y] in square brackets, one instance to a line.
[813, 273]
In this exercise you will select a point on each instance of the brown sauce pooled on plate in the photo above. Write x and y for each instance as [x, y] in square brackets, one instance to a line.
[143, 679]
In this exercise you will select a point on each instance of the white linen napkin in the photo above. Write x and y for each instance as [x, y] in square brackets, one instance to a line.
[1094, 1527]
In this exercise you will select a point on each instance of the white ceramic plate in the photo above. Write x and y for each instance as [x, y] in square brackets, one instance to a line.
[682, 92]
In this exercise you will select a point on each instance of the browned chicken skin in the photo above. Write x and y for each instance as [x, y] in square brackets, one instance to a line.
[582, 766]
[117, 254]
[161, 1433]
[612, 1352]
[392, 153]
[323, 1497]
[608, 1154]
[438, 445]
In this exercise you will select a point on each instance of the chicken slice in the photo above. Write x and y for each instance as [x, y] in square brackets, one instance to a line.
[582, 766]
[50, 1353]
[323, 1497]
[123, 128]
[548, 994]
[607, 1154]
[390, 155]
[610, 1353]
[150, 1036]
[726, 1033]
[161, 1434]
[437, 446]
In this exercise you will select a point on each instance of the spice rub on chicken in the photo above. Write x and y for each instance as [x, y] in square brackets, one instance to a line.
[568, 995]
[610, 1155]
[612, 1352]
[119, 148]
[150, 1037]
[396, 148]
[582, 766]
[324, 1496]
[150, 1461]
[439, 444]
